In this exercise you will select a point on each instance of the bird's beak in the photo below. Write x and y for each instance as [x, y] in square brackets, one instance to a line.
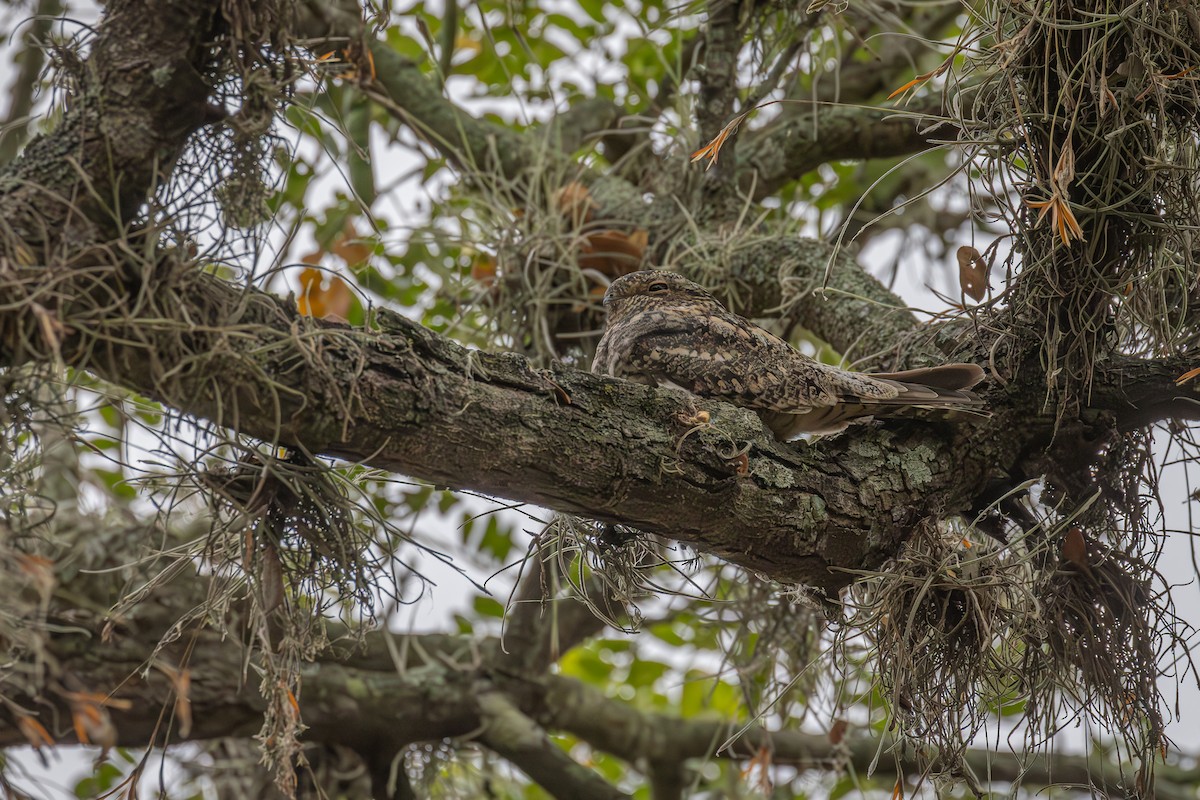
[607, 296]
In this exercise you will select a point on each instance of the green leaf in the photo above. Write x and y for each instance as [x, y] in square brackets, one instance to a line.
[488, 607]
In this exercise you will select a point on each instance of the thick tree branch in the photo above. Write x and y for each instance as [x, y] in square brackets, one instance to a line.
[1140, 392]
[410, 401]
[473, 144]
[121, 136]
[798, 143]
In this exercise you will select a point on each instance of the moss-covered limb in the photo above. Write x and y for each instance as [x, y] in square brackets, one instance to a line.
[875, 65]
[377, 698]
[541, 625]
[375, 712]
[142, 94]
[411, 401]
[811, 283]
[797, 143]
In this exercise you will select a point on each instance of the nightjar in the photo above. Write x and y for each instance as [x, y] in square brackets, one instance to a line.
[664, 330]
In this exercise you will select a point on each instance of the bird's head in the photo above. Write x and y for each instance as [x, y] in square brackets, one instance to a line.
[655, 287]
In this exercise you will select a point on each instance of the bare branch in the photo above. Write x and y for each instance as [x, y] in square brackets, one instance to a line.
[515, 736]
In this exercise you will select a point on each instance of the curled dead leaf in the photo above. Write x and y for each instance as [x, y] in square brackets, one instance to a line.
[612, 253]
[316, 300]
[1074, 549]
[972, 273]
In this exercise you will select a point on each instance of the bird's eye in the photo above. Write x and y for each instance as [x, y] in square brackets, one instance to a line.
[657, 287]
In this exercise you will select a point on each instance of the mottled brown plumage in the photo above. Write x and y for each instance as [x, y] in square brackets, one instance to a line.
[662, 329]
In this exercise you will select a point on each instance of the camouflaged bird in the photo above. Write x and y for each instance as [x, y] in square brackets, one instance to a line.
[662, 329]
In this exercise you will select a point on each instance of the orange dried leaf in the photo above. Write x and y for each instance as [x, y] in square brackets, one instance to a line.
[34, 732]
[933, 73]
[91, 719]
[315, 300]
[1187, 376]
[972, 273]
[898, 791]
[760, 763]
[909, 85]
[712, 150]
[81, 729]
[610, 253]
[1062, 219]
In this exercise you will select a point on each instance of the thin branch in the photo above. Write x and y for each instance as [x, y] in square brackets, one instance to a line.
[516, 737]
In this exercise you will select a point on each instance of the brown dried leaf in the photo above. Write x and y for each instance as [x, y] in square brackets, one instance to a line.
[972, 273]
[315, 300]
[1074, 550]
[611, 253]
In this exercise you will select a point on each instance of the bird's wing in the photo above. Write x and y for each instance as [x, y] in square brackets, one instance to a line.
[727, 358]
[600, 359]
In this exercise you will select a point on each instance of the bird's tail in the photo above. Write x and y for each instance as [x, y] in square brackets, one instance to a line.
[932, 393]
[941, 392]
